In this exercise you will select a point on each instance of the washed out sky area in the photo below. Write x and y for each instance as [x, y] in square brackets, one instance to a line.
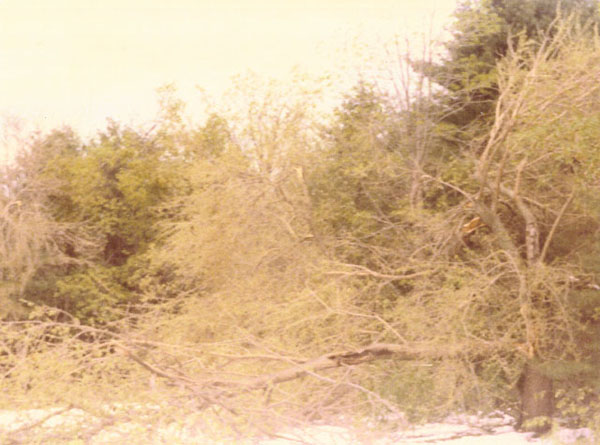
[78, 62]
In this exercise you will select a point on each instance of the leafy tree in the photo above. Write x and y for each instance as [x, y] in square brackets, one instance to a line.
[33, 242]
[359, 176]
[113, 189]
[246, 175]
[481, 35]
[530, 196]
[513, 221]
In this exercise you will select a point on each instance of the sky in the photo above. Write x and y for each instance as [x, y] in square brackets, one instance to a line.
[77, 62]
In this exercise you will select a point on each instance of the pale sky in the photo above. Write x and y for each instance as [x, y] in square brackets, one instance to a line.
[78, 62]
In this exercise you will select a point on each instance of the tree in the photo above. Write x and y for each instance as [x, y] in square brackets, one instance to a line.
[481, 34]
[32, 240]
[360, 173]
[111, 189]
[498, 248]
[532, 189]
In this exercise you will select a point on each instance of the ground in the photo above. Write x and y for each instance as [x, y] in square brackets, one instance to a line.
[458, 430]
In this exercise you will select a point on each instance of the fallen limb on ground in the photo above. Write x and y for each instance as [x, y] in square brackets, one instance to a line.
[370, 353]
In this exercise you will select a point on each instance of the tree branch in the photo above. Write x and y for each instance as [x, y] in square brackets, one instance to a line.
[555, 225]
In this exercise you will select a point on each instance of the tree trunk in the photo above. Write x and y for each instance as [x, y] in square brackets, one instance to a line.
[537, 400]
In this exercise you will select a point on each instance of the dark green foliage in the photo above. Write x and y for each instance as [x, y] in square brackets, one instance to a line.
[358, 182]
[113, 189]
[480, 39]
[115, 185]
[211, 139]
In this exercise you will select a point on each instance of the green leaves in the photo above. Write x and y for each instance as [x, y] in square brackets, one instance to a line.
[92, 295]
[100, 204]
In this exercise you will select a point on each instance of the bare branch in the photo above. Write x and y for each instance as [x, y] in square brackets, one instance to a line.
[555, 225]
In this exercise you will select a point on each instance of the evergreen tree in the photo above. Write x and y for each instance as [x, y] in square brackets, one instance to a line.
[481, 35]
